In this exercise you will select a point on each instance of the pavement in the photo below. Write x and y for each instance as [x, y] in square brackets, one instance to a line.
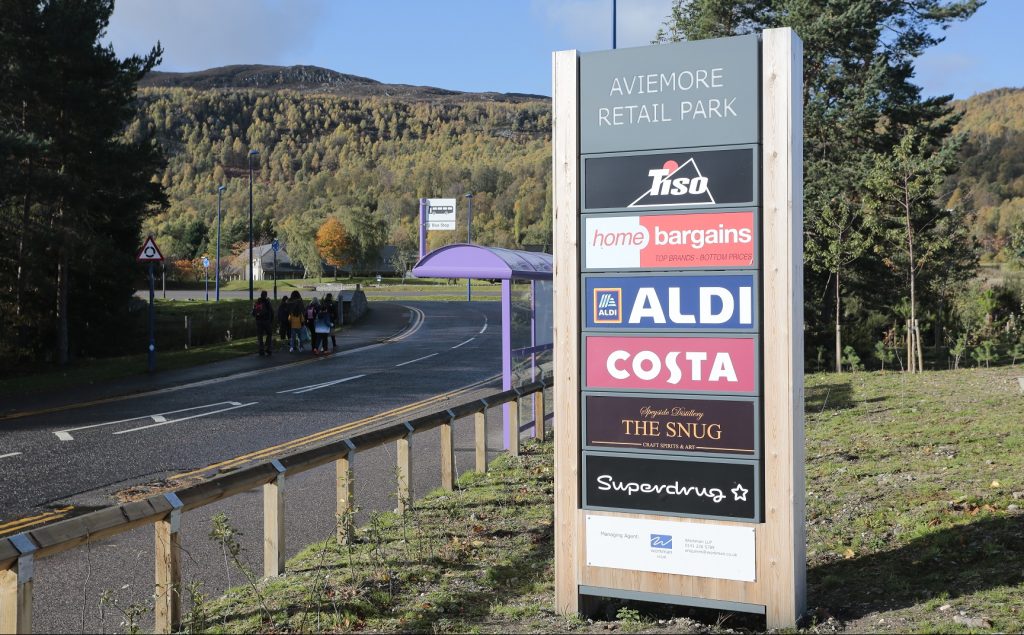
[144, 434]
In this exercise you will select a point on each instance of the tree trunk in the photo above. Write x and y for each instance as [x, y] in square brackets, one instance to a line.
[62, 306]
[917, 338]
[910, 251]
[839, 340]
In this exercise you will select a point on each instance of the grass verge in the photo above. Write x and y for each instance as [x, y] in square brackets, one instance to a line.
[914, 489]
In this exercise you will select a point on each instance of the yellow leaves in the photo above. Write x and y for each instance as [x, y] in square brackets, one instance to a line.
[333, 243]
[994, 484]
[848, 554]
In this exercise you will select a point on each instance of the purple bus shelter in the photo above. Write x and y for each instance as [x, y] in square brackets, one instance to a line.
[494, 263]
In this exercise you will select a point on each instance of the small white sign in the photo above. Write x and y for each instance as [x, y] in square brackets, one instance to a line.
[680, 547]
[441, 214]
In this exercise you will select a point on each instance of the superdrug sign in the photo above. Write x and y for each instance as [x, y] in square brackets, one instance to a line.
[672, 486]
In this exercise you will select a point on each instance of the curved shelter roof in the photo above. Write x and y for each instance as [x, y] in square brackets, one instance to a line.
[479, 262]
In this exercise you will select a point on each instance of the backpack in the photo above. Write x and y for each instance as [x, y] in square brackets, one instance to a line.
[259, 310]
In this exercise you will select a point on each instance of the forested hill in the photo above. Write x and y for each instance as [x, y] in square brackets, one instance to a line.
[991, 177]
[314, 78]
[363, 160]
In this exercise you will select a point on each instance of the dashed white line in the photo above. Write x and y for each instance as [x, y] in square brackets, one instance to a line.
[418, 359]
[205, 414]
[64, 435]
[464, 343]
[9, 455]
[302, 389]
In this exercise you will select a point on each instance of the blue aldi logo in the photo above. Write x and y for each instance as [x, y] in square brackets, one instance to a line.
[607, 306]
[661, 541]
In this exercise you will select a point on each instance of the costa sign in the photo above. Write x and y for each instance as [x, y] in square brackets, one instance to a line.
[670, 241]
[676, 426]
[721, 302]
[670, 180]
[678, 364]
[672, 486]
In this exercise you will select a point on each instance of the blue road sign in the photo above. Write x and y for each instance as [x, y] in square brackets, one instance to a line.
[206, 262]
[698, 302]
[275, 246]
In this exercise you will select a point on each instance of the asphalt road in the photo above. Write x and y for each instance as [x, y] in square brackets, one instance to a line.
[82, 457]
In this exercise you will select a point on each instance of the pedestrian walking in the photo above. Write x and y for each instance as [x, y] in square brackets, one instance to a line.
[323, 326]
[311, 310]
[283, 327]
[333, 310]
[263, 311]
[295, 323]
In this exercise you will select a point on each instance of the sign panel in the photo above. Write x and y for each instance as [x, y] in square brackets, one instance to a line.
[206, 262]
[663, 546]
[149, 251]
[671, 180]
[441, 214]
[672, 485]
[712, 302]
[675, 426]
[671, 95]
[669, 241]
[677, 364]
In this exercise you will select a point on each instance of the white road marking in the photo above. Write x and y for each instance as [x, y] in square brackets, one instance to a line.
[464, 343]
[485, 326]
[9, 455]
[418, 359]
[65, 435]
[205, 414]
[302, 389]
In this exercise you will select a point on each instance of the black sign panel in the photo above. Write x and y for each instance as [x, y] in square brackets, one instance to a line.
[671, 180]
[683, 425]
[673, 486]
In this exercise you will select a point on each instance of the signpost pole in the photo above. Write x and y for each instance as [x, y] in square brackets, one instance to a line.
[206, 277]
[151, 357]
[275, 275]
[423, 228]
[469, 241]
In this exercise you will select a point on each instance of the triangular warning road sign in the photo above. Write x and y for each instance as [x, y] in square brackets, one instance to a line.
[149, 252]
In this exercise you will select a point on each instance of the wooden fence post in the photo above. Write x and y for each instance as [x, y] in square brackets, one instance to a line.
[480, 427]
[167, 612]
[16, 589]
[404, 471]
[448, 454]
[273, 524]
[345, 494]
[538, 414]
[513, 419]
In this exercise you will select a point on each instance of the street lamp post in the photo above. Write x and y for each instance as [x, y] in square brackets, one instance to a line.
[216, 278]
[469, 241]
[252, 153]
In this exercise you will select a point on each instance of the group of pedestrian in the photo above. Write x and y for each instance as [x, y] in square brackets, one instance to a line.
[298, 323]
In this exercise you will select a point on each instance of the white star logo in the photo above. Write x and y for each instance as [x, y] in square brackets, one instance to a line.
[739, 493]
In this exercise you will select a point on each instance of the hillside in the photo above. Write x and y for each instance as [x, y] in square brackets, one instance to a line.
[991, 179]
[315, 79]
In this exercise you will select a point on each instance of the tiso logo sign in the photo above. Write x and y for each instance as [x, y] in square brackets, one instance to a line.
[675, 185]
[607, 306]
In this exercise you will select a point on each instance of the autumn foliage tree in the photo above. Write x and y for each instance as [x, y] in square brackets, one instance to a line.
[333, 243]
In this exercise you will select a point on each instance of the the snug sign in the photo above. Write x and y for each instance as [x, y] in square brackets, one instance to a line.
[714, 302]
[672, 486]
[676, 425]
[677, 364]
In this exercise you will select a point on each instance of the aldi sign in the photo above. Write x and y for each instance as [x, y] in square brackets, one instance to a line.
[669, 241]
[683, 302]
[670, 180]
[677, 364]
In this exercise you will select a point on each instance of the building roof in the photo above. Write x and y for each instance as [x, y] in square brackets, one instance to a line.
[479, 262]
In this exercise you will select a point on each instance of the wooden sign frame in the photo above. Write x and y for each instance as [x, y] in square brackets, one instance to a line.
[779, 588]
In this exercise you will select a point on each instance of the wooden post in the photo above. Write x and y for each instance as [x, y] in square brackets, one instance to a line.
[273, 524]
[513, 419]
[345, 494]
[565, 186]
[405, 471]
[16, 589]
[538, 414]
[447, 455]
[480, 428]
[167, 612]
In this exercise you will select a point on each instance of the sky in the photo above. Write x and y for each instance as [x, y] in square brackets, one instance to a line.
[484, 45]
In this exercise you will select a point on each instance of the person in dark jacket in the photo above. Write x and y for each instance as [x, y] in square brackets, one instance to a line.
[263, 311]
[333, 311]
[283, 329]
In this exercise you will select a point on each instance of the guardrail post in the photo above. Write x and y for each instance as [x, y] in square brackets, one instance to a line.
[513, 416]
[405, 471]
[167, 612]
[448, 454]
[538, 414]
[16, 588]
[480, 429]
[346, 491]
[273, 524]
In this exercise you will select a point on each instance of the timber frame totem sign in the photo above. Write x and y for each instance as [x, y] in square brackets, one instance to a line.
[679, 351]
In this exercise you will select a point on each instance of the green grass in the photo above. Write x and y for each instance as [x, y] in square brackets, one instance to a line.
[910, 483]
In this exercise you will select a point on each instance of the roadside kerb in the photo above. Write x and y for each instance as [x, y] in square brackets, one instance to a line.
[18, 552]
